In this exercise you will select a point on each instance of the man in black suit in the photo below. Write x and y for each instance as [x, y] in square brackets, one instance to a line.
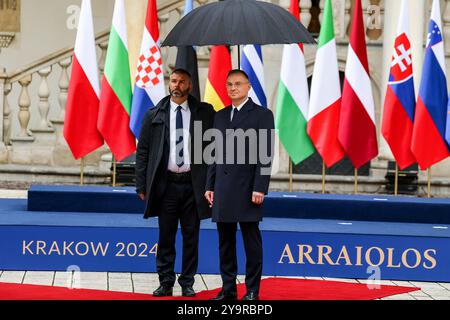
[171, 176]
[238, 181]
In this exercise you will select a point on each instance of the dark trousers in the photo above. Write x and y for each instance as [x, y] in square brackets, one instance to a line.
[178, 204]
[228, 258]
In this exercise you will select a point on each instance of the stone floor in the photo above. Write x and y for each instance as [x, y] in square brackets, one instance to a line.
[147, 282]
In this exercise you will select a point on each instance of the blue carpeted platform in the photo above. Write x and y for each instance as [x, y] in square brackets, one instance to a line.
[111, 241]
[277, 205]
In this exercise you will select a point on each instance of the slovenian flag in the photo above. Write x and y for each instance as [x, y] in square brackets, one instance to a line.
[149, 88]
[252, 64]
[400, 101]
[428, 141]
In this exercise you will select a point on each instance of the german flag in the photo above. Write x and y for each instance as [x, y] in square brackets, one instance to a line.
[219, 66]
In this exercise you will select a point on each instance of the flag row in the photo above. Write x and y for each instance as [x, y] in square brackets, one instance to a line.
[338, 123]
[112, 112]
[334, 122]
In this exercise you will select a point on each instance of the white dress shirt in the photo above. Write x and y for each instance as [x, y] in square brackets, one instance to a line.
[239, 107]
[186, 113]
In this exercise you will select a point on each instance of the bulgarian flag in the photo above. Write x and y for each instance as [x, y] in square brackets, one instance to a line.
[219, 66]
[325, 104]
[357, 131]
[80, 123]
[115, 98]
[293, 100]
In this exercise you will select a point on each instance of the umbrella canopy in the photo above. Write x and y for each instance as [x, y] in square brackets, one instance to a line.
[236, 22]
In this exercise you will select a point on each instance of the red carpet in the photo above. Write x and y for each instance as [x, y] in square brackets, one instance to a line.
[271, 289]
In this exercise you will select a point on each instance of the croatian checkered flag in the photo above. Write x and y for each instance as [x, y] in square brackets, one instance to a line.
[149, 88]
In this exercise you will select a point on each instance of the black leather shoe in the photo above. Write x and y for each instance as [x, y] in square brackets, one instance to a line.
[187, 292]
[163, 291]
[225, 295]
[250, 296]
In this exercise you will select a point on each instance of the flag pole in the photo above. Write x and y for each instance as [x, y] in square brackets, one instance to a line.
[356, 181]
[82, 172]
[290, 175]
[114, 172]
[323, 177]
[429, 182]
[396, 180]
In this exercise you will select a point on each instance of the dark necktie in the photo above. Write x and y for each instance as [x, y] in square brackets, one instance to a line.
[234, 113]
[179, 153]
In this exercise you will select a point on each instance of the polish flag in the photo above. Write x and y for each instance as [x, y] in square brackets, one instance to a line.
[80, 123]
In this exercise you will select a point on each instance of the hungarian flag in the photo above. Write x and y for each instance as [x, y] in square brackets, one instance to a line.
[428, 140]
[149, 87]
[80, 123]
[187, 58]
[357, 131]
[219, 66]
[293, 100]
[325, 104]
[400, 102]
[115, 98]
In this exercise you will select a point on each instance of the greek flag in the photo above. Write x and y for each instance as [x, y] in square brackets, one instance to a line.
[252, 64]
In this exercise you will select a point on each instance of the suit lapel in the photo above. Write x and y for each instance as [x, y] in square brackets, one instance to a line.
[243, 114]
[193, 107]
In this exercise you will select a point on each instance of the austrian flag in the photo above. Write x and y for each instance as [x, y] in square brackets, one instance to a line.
[357, 131]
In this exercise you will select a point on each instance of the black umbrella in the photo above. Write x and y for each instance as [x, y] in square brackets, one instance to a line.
[236, 22]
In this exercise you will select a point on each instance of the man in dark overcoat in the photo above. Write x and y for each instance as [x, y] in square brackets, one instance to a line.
[238, 182]
[171, 177]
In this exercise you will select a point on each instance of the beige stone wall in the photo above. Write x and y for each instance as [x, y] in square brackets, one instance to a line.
[46, 28]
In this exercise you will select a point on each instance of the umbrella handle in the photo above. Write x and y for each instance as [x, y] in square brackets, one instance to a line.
[239, 56]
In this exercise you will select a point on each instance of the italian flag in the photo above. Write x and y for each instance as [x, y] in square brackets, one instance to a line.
[80, 123]
[293, 100]
[325, 103]
[115, 98]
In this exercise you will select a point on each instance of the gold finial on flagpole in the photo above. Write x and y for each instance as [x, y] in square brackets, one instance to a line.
[290, 175]
[396, 180]
[323, 177]
[429, 183]
[82, 172]
[114, 172]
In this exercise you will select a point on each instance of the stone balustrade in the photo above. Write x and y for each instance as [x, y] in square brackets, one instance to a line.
[31, 124]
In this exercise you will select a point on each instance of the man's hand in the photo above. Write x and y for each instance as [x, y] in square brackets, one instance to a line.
[257, 197]
[209, 195]
[142, 196]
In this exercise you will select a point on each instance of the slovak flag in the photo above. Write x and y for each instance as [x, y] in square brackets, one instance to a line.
[428, 140]
[149, 88]
[400, 102]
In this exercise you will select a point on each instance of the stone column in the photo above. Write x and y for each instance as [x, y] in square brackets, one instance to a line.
[3, 105]
[135, 14]
[417, 25]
